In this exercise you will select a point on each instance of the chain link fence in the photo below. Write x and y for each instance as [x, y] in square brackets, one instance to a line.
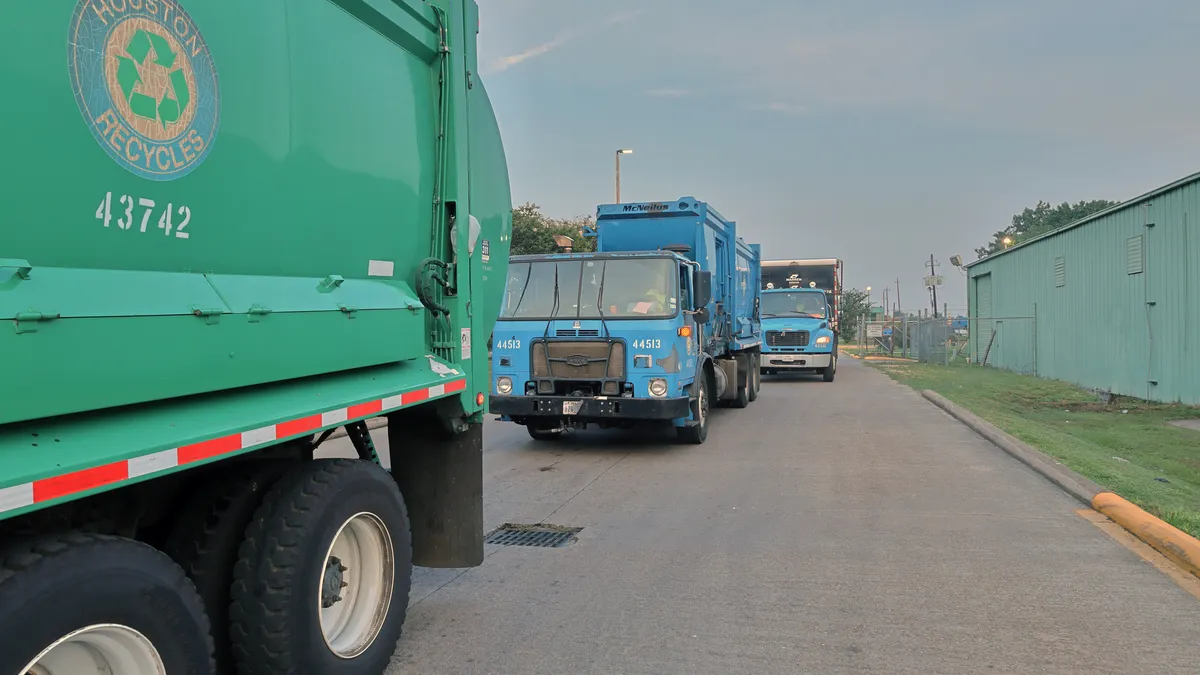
[1009, 343]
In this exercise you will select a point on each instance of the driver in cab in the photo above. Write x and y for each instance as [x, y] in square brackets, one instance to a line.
[810, 305]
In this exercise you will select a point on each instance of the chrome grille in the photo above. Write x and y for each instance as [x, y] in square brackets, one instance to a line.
[784, 338]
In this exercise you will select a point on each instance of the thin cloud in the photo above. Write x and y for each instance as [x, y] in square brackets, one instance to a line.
[779, 107]
[667, 93]
[505, 62]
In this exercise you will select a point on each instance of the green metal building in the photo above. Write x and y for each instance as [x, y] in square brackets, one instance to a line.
[1110, 302]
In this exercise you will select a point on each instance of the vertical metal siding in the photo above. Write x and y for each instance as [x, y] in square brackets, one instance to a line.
[1096, 328]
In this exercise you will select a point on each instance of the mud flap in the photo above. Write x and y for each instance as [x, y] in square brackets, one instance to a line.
[440, 474]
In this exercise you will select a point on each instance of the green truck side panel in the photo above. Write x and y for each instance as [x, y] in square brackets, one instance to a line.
[345, 128]
[143, 334]
[1103, 321]
[40, 449]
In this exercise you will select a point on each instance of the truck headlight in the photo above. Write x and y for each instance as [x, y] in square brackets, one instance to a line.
[658, 387]
[504, 386]
[823, 340]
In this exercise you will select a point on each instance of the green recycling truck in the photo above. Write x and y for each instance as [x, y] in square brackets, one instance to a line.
[227, 230]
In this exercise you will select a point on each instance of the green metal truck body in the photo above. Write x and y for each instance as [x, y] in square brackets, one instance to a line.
[229, 228]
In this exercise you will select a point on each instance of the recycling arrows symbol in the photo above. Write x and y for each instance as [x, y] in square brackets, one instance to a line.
[168, 110]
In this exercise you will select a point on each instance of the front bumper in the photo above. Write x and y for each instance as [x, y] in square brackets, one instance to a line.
[596, 408]
[798, 361]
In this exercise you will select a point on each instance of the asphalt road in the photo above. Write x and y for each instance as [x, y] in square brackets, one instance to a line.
[848, 527]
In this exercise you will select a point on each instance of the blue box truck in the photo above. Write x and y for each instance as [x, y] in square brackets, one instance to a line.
[799, 333]
[657, 325]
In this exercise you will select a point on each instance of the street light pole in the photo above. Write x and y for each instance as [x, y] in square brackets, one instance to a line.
[623, 151]
[866, 320]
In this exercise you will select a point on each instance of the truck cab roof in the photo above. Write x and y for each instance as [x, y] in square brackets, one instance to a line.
[793, 290]
[589, 255]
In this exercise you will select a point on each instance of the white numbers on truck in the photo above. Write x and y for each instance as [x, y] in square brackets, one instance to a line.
[127, 220]
[511, 343]
[104, 213]
[647, 343]
[165, 221]
[126, 216]
[147, 208]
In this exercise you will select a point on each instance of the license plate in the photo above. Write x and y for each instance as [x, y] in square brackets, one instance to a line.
[571, 407]
[788, 359]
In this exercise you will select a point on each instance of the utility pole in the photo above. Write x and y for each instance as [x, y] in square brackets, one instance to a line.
[933, 283]
[899, 307]
[622, 151]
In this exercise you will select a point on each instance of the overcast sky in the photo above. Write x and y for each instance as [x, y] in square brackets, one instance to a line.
[875, 131]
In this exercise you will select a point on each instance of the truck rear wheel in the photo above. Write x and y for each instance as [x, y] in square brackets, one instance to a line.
[83, 604]
[323, 575]
[206, 537]
[697, 433]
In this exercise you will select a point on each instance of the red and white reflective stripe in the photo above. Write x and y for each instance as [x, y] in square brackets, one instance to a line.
[55, 487]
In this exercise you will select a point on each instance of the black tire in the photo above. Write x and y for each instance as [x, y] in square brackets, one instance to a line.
[829, 371]
[755, 377]
[54, 585]
[206, 537]
[701, 407]
[742, 381]
[274, 623]
[543, 434]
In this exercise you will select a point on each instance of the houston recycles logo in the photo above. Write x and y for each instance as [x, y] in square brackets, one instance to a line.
[145, 83]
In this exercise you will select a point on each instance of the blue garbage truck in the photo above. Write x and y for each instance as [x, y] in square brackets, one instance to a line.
[798, 330]
[659, 324]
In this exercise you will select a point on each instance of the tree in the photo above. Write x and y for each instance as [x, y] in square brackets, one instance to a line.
[534, 232]
[854, 305]
[1041, 219]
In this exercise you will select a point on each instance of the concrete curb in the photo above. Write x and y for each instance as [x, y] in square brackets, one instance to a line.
[1179, 546]
[1182, 548]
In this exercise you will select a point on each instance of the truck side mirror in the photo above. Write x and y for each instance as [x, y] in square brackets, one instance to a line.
[701, 316]
[702, 290]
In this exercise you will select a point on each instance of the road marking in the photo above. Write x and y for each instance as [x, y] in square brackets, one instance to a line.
[1177, 574]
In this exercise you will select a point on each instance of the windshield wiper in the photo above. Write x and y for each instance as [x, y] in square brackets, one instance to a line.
[553, 307]
[600, 301]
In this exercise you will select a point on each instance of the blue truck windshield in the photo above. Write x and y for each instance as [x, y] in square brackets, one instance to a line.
[568, 289]
[804, 304]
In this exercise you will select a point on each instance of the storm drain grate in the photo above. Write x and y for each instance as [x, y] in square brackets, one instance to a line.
[541, 535]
